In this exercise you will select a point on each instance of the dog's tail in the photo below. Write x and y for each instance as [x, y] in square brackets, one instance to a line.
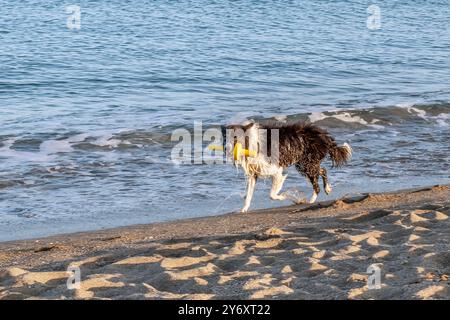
[340, 154]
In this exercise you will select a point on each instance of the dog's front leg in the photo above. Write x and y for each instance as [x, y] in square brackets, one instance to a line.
[251, 182]
[277, 183]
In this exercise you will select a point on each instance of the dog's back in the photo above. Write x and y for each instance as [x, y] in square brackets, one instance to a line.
[305, 143]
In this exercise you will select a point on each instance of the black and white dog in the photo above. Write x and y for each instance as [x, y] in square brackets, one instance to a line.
[278, 146]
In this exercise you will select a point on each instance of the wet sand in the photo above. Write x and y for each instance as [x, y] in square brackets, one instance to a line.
[320, 251]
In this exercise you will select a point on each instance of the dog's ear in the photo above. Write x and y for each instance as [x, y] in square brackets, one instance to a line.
[248, 126]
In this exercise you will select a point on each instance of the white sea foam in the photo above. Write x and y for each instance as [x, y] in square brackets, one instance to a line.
[241, 117]
[281, 118]
[78, 137]
[61, 146]
[420, 113]
[405, 105]
[7, 152]
[441, 119]
[106, 138]
[102, 138]
[48, 148]
[345, 117]
[317, 116]
[55, 146]
[107, 141]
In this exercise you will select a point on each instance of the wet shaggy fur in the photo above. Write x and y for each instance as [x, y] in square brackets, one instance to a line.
[303, 145]
[306, 146]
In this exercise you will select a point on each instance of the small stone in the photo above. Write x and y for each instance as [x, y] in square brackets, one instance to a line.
[286, 269]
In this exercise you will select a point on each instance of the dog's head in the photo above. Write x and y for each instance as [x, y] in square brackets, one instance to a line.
[245, 134]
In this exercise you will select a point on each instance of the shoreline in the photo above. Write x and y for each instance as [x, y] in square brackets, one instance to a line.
[293, 242]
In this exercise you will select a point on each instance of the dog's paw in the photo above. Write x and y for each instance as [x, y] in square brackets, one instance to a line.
[328, 189]
[300, 201]
[244, 210]
[295, 195]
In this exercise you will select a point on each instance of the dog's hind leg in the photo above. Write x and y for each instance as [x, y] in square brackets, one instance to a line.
[251, 182]
[315, 183]
[312, 170]
[277, 183]
[326, 185]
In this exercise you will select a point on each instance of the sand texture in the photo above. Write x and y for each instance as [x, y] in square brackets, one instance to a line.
[297, 252]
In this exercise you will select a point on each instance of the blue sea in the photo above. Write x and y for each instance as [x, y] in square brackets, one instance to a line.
[87, 113]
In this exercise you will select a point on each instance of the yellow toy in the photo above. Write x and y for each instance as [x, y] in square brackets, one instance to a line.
[238, 151]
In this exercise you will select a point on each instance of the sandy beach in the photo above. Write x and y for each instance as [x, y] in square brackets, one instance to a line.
[320, 251]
